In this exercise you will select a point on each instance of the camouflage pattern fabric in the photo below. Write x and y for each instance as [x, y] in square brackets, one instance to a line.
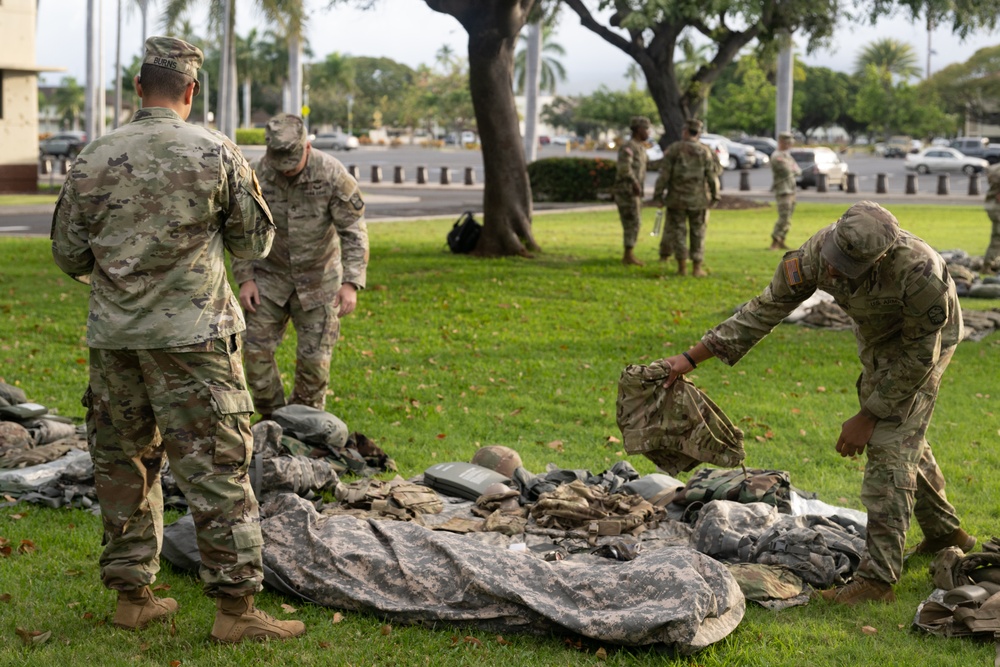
[784, 170]
[685, 229]
[11, 394]
[576, 505]
[630, 182]
[409, 574]
[312, 426]
[748, 485]
[188, 404]
[786, 207]
[13, 436]
[676, 428]
[22, 458]
[689, 175]
[151, 289]
[991, 259]
[765, 582]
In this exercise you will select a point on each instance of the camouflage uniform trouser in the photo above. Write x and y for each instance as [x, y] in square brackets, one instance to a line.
[902, 479]
[317, 331]
[630, 212]
[786, 206]
[684, 223]
[990, 259]
[191, 404]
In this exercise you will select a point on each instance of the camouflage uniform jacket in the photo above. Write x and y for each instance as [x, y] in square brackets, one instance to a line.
[632, 162]
[143, 217]
[905, 312]
[322, 239]
[993, 185]
[784, 168]
[690, 175]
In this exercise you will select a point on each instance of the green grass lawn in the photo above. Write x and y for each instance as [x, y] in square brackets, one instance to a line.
[449, 353]
[29, 200]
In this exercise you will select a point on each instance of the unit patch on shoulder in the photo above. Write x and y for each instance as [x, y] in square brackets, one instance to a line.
[356, 201]
[936, 315]
[793, 271]
[256, 183]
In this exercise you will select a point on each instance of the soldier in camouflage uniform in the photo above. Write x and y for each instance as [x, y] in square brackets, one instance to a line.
[690, 176]
[785, 169]
[144, 218]
[907, 321]
[991, 260]
[630, 180]
[313, 272]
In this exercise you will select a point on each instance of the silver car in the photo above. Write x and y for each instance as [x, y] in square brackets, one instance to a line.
[335, 141]
[941, 158]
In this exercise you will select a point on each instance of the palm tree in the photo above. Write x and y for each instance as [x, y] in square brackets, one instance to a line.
[552, 70]
[895, 57]
[445, 57]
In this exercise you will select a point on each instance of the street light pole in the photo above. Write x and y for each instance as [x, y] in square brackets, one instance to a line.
[350, 116]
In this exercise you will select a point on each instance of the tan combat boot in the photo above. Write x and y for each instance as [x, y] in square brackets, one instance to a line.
[697, 271]
[629, 259]
[237, 619]
[137, 608]
[860, 590]
[777, 245]
[958, 538]
[682, 267]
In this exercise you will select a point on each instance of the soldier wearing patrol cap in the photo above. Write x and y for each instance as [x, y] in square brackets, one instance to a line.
[907, 320]
[689, 174]
[630, 181]
[785, 170]
[145, 218]
[315, 268]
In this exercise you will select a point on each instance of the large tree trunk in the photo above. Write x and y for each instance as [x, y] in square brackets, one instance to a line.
[493, 26]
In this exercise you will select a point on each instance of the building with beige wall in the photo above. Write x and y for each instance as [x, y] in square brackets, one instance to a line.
[18, 97]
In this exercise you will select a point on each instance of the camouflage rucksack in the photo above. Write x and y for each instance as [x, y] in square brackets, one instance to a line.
[743, 486]
[577, 506]
[397, 498]
[675, 428]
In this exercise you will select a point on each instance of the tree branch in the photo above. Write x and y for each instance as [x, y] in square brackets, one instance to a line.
[588, 21]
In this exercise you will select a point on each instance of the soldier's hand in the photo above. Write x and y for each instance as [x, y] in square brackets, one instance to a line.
[679, 365]
[346, 300]
[855, 434]
[249, 296]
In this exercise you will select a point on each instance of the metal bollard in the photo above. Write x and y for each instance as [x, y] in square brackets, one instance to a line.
[744, 180]
[44, 166]
[852, 183]
[943, 188]
[470, 175]
[421, 175]
[399, 175]
[911, 184]
[445, 176]
[64, 165]
[821, 183]
[881, 183]
[354, 172]
[376, 174]
[973, 184]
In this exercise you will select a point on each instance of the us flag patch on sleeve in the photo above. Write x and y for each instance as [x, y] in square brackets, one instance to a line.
[793, 271]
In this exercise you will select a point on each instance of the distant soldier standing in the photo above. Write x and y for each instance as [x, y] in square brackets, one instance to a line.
[785, 169]
[314, 270]
[991, 260]
[907, 321]
[689, 173]
[145, 218]
[630, 181]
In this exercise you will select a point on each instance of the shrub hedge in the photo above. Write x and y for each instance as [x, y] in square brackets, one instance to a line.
[571, 178]
[250, 136]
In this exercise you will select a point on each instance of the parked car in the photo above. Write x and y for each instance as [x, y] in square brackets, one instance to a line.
[977, 147]
[765, 145]
[742, 156]
[654, 152]
[562, 140]
[718, 146]
[900, 146]
[817, 160]
[63, 144]
[943, 158]
[544, 140]
[336, 141]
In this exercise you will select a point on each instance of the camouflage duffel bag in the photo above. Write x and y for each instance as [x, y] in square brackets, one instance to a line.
[675, 428]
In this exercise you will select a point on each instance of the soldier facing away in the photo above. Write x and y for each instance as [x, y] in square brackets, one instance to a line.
[630, 181]
[144, 218]
[689, 174]
[991, 260]
[315, 268]
[907, 318]
[785, 170]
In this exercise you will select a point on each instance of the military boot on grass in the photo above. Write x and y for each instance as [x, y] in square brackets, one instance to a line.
[860, 590]
[237, 620]
[682, 267]
[629, 258]
[697, 271]
[958, 538]
[137, 608]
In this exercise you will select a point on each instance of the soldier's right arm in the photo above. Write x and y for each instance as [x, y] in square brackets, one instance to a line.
[249, 230]
[70, 236]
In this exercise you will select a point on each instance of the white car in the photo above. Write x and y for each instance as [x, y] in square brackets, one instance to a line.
[719, 147]
[942, 158]
[335, 141]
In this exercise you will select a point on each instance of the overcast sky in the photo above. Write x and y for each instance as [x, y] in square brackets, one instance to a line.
[408, 32]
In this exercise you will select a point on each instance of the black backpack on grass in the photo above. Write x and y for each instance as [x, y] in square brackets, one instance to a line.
[464, 234]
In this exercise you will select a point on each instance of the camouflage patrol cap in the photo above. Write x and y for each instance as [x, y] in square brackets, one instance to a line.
[862, 235]
[498, 458]
[285, 136]
[693, 125]
[787, 136]
[638, 122]
[174, 54]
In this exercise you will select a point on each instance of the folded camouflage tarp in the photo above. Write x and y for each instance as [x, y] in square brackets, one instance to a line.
[409, 574]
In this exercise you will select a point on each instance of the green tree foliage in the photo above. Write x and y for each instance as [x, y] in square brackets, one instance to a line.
[68, 100]
[822, 99]
[892, 55]
[613, 109]
[745, 104]
[887, 108]
[971, 88]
